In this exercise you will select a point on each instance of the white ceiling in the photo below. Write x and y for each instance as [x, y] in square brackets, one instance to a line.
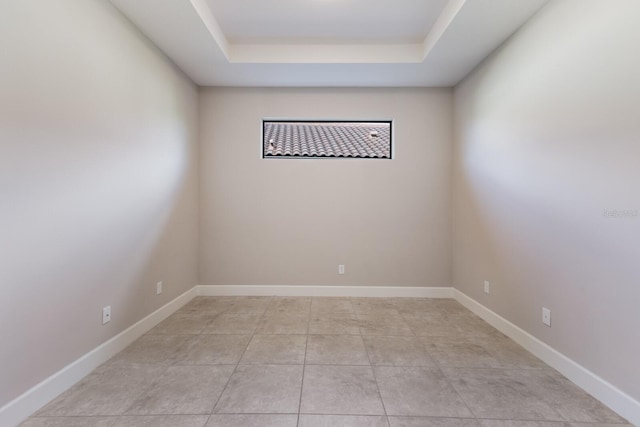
[326, 21]
[328, 42]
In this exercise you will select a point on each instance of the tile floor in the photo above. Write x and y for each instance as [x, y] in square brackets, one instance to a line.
[312, 362]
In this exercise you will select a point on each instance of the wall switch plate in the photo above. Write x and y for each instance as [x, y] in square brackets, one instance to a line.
[341, 269]
[158, 288]
[487, 287]
[106, 315]
[546, 316]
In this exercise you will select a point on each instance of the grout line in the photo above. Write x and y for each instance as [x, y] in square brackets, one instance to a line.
[147, 389]
[375, 379]
[439, 369]
[304, 362]
[264, 315]
[239, 359]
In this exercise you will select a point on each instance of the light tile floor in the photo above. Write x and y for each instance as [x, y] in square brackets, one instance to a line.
[320, 362]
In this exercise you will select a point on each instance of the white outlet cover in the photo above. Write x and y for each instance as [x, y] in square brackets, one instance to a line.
[158, 288]
[106, 315]
[341, 269]
[487, 287]
[546, 316]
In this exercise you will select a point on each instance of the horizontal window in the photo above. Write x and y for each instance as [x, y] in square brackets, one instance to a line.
[326, 139]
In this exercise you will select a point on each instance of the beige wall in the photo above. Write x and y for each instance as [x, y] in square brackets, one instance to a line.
[99, 185]
[98, 194]
[291, 222]
[547, 137]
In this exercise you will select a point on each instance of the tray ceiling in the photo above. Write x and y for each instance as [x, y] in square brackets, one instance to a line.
[328, 42]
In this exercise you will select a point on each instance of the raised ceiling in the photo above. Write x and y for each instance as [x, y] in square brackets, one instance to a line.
[328, 42]
[326, 21]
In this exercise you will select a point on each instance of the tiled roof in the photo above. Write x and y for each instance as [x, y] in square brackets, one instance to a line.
[324, 139]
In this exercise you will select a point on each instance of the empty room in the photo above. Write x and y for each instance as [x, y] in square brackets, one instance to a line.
[319, 213]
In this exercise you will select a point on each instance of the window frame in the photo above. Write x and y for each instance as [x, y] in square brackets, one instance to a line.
[266, 120]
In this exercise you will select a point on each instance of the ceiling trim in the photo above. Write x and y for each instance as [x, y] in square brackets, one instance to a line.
[210, 21]
[326, 54]
[409, 53]
[443, 22]
[463, 34]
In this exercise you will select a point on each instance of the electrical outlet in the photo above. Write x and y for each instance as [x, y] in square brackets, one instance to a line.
[546, 316]
[487, 287]
[106, 315]
[158, 288]
[341, 269]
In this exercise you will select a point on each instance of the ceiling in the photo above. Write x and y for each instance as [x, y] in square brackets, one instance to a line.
[326, 21]
[328, 42]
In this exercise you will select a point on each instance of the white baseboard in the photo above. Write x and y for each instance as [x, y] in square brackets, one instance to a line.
[327, 291]
[26, 404]
[39, 395]
[602, 390]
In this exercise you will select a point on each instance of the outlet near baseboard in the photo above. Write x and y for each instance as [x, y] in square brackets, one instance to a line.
[546, 316]
[106, 315]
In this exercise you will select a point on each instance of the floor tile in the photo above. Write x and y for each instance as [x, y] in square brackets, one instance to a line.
[345, 390]
[468, 324]
[599, 425]
[336, 350]
[162, 421]
[471, 325]
[262, 389]
[450, 307]
[397, 351]
[459, 352]
[381, 316]
[262, 420]
[381, 326]
[275, 349]
[342, 421]
[571, 402]
[238, 324]
[283, 324]
[432, 422]
[214, 350]
[285, 306]
[501, 394]
[109, 390]
[206, 315]
[334, 324]
[331, 306]
[432, 325]
[246, 305]
[374, 306]
[379, 312]
[153, 349]
[183, 390]
[417, 306]
[209, 305]
[419, 392]
[434, 364]
[70, 422]
[507, 353]
[513, 423]
[182, 325]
